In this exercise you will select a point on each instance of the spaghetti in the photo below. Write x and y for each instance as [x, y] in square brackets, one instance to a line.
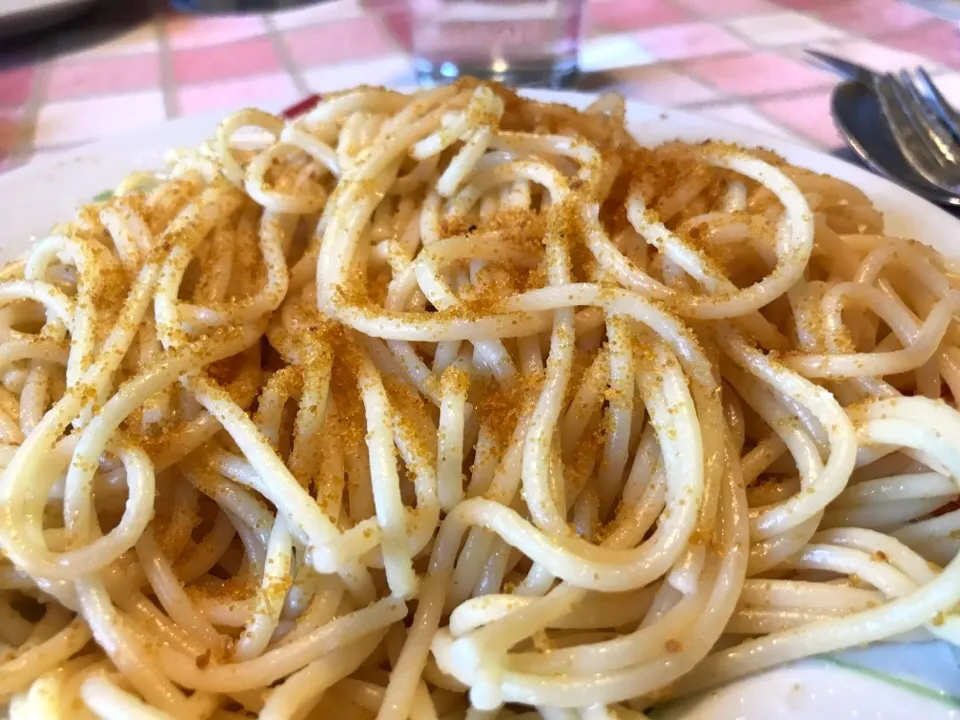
[460, 404]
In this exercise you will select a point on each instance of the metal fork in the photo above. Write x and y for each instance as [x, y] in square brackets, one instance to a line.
[924, 126]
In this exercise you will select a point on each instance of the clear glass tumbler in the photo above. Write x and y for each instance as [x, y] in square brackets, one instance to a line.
[520, 42]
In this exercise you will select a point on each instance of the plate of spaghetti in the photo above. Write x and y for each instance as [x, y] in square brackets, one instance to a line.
[464, 404]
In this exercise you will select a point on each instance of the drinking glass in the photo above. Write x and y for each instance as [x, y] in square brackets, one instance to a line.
[520, 42]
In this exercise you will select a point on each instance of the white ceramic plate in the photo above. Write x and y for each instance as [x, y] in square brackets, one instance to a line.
[917, 680]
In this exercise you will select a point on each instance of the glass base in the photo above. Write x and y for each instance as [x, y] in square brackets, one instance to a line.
[549, 73]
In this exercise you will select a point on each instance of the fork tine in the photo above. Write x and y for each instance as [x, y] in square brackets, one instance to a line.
[936, 140]
[940, 140]
[908, 140]
[908, 114]
[921, 79]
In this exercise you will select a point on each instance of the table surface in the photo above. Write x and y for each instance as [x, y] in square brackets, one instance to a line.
[130, 64]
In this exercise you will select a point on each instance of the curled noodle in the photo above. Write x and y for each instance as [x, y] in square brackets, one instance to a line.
[443, 404]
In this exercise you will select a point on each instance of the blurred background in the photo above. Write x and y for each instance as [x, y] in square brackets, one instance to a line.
[72, 71]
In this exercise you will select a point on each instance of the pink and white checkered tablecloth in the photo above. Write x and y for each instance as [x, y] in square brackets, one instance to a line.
[132, 64]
